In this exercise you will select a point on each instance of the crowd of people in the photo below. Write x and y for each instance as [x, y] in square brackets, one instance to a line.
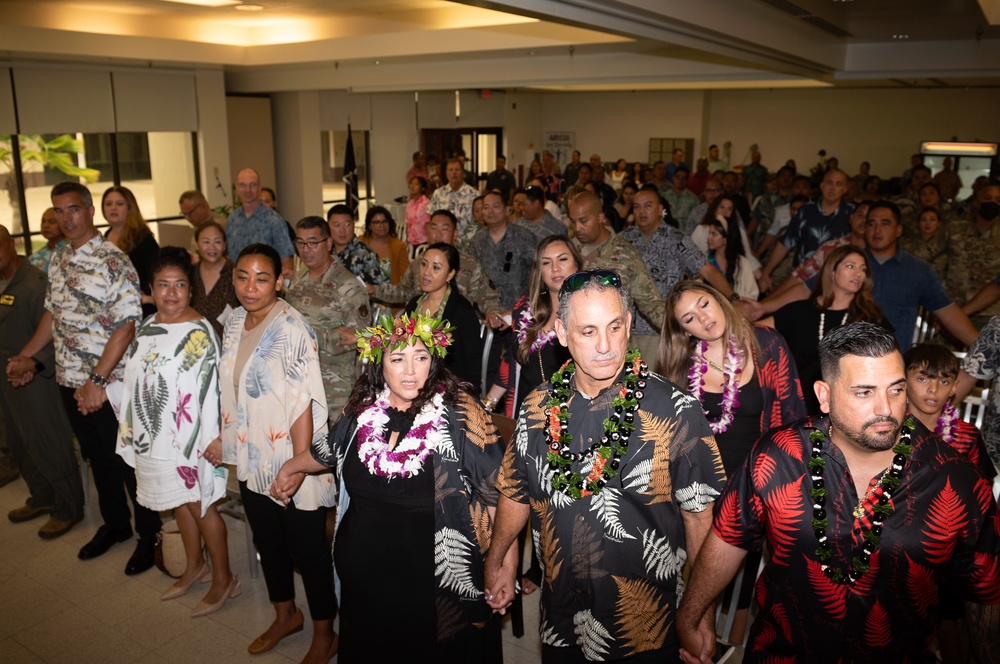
[684, 352]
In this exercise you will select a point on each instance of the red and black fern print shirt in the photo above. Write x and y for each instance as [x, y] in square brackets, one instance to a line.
[944, 527]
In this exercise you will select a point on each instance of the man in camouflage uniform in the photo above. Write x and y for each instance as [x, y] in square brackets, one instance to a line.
[974, 251]
[354, 254]
[471, 280]
[335, 304]
[601, 248]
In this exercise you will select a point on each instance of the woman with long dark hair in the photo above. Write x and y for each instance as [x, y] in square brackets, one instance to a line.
[416, 458]
[380, 235]
[726, 252]
[130, 233]
[842, 295]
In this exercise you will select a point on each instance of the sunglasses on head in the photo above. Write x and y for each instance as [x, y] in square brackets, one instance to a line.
[575, 282]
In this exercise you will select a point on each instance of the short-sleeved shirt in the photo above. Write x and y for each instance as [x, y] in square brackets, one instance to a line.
[668, 257]
[507, 262]
[459, 203]
[811, 227]
[503, 181]
[812, 266]
[329, 302]
[93, 291]
[903, 284]
[942, 528]
[983, 362]
[362, 260]
[263, 225]
[41, 258]
[613, 560]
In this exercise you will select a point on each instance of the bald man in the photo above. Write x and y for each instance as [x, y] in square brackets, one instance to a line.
[255, 222]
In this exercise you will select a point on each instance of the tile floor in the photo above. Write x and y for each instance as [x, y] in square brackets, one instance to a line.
[56, 608]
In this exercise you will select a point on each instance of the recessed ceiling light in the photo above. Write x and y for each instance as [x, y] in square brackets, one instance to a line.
[248, 7]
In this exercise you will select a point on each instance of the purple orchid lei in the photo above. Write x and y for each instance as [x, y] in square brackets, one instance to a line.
[407, 458]
[525, 321]
[946, 422]
[730, 388]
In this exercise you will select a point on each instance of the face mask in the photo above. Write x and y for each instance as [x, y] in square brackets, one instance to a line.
[989, 210]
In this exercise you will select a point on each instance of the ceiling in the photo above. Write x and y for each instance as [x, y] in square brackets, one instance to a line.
[378, 45]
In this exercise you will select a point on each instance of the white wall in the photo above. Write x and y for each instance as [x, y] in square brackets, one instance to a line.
[618, 125]
[213, 138]
[523, 133]
[251, 139]
[883, 127]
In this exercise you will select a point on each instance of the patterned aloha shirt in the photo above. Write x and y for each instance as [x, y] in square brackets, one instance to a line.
[263, 225]
[41, 258]
[334, 300]
[279, 381]
[465, 468]
[507, 262]
[92, 292]
[943, 527]
[983, 362]
[811, 227]
[362, 260]
[459, 203]
[613, 561]
[669, 256]
[968, 441]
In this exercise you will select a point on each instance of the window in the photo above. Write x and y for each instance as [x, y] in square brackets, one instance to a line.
[156, 166]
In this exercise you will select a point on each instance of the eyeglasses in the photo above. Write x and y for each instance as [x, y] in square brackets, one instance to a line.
[575, 282]
[379, 221]
[508, 258]
[312, 244]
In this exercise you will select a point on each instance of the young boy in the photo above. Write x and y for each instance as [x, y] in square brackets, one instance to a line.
[931, 371]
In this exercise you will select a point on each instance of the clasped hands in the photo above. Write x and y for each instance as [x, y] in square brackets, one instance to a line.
[20, 370]
[285, 484]
[501, 586]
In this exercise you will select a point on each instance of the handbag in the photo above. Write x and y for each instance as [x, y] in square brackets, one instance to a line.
[169, 555]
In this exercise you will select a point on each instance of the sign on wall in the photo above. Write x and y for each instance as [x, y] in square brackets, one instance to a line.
[561, 144]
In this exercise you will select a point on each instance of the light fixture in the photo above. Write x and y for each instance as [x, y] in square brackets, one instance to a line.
[249, 7]
[967, 149]
[206, 3]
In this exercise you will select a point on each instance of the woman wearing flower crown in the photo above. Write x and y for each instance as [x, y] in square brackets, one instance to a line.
[742, 374]
[440, 299]
[273, 406]
[416, 458]
[842, 295]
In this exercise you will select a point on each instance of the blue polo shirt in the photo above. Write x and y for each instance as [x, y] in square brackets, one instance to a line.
[902, 285]
[264, 225]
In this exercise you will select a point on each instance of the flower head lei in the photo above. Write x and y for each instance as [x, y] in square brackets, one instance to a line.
[389, 335]
[730, 388]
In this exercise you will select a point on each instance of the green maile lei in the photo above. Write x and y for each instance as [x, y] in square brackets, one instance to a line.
[613, 444]
[889, 482]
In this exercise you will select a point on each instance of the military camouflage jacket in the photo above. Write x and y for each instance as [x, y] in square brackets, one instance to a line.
[335, 300]
[973, 260]
[472, 283]
[619, 255]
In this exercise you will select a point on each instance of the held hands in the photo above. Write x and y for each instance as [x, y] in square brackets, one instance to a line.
[286, 484]
[347, 337]
[89, 398]
[751, 309]
[697, 642]
[213, 453]
[500, 587]
[20, 370]
[495, 319]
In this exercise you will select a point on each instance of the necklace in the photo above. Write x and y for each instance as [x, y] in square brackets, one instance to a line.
[540, 367]
[604, 455]
[887, 484]
[525, 320]
[946, 423]
[407, 458]
[822, 322]
[859, 510]
[730, 386]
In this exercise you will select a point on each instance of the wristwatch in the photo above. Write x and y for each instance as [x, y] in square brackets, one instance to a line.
[734, 297]
[99, 380]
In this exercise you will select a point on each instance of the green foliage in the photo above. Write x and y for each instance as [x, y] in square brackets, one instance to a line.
[56, 154]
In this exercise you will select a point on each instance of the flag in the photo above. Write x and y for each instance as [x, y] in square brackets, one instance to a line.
[351, 175]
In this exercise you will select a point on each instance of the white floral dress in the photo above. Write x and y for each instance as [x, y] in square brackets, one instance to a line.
[168, 413]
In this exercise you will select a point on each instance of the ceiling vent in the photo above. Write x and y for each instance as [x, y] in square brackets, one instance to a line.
[808, 17]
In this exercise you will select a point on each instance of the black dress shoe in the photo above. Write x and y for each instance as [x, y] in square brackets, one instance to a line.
[102, 541]
[142, 557]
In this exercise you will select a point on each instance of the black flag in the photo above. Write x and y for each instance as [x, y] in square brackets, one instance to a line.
[351, 175]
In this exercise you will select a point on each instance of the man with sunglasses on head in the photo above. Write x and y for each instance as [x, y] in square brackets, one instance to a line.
[617, 469]
[334, 302]
[505, 250]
